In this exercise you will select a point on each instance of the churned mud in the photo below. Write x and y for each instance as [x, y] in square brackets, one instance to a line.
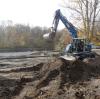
[50, 78]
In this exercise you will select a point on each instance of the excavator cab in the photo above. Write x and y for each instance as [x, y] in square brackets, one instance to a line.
[80, 48]
[77, 45]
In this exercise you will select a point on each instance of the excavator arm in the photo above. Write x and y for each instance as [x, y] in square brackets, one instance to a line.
[58, 16]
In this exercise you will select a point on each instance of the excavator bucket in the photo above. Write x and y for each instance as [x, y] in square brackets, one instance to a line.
[68, 58]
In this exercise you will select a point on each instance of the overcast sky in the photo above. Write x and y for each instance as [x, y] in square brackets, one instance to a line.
[33, 12]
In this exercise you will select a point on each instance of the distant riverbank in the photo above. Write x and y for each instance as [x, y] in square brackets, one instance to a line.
[22, 49]
[15, 49]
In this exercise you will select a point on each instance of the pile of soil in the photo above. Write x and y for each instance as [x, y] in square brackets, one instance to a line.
[55, 78]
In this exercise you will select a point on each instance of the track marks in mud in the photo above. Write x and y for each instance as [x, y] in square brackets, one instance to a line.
[24, 69]
[53, 78]
[12, 87]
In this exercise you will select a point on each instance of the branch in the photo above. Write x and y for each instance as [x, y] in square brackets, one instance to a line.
[83, 2]
[73, 9]
[97, 12]
[91, 9]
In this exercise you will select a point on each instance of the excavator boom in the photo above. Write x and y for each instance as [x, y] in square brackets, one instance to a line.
[58, 16]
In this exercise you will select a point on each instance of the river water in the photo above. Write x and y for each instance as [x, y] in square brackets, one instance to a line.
[14, 54]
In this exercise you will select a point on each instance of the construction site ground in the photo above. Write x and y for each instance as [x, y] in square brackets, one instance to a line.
[43, 75]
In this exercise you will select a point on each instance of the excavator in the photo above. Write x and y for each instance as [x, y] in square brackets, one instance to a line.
[79, 48]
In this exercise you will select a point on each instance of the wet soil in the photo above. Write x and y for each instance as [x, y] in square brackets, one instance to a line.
[50, 78]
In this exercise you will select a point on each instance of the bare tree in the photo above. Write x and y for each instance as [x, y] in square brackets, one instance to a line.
[87, 11]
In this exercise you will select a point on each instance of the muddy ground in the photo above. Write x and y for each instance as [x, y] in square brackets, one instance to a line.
[41, 76]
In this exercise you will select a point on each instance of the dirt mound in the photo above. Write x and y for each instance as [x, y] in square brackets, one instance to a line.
[93, 61]
[57, 79]
[56, 75]
[67, 71]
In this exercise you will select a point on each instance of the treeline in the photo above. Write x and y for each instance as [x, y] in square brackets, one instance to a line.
[23, 37]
